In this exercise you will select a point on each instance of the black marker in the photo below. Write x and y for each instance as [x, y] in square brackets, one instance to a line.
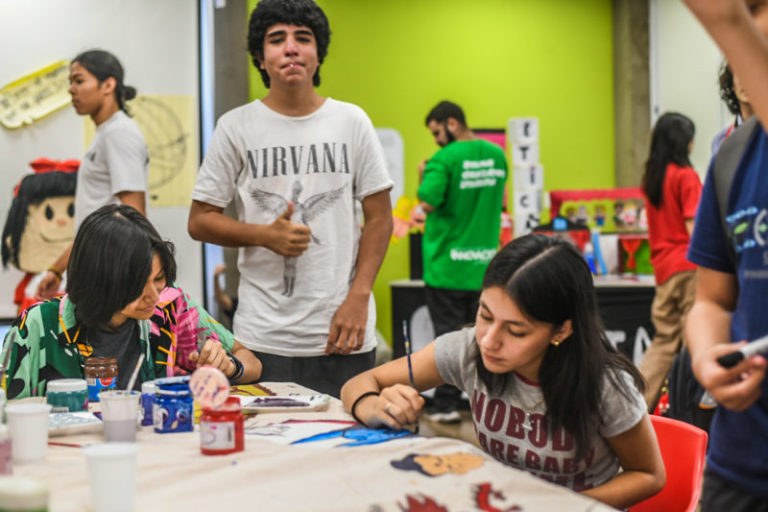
[758, 346]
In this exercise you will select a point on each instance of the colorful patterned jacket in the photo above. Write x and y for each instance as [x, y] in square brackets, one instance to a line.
[46, 342]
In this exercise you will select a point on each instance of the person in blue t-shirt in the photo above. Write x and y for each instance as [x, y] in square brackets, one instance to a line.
[732, 293]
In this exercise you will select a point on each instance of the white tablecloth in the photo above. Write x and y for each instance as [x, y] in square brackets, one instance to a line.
[268, 476]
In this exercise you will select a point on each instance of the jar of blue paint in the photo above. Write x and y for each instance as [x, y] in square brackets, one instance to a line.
[67, 395]
[173, 408]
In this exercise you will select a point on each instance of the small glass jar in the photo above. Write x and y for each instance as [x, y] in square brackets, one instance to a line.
[101, 374]
[221, 430]
[67, 395]
[173, 407]
[5, 451]
[148, 389]
[19, 494]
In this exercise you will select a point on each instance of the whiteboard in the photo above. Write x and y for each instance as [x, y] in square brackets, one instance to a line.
[156, 41]
[684, 64]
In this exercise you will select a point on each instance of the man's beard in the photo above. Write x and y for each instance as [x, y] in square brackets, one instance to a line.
[448, 136]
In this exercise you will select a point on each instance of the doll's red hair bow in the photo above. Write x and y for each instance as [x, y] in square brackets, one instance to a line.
[43, 165]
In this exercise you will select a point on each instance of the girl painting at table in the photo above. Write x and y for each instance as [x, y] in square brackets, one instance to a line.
[121, 303]
[549, 394]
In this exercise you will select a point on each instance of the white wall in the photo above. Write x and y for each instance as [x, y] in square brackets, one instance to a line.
[156, 41]
[684, 64]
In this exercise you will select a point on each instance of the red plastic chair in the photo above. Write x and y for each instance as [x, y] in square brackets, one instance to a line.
[683, 448]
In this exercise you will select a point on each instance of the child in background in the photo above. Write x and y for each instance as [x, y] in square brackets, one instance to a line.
[549, 394]
[672, 190]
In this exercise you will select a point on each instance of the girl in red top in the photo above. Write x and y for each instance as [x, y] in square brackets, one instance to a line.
[672, 189]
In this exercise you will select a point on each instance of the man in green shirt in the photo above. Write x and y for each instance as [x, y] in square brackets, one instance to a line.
[461, 192]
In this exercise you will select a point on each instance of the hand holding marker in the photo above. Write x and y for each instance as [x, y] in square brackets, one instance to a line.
[759, 346]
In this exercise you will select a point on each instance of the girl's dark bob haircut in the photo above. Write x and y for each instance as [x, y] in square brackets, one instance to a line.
[111, 261]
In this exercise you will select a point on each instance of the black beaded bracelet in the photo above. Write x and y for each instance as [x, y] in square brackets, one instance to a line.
[354, 404]
[239, 368]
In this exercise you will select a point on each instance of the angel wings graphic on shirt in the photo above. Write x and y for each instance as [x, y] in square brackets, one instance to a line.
[303, 213]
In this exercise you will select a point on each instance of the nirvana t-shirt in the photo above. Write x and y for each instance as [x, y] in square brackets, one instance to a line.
[464, 182]
[123, 344]
[507, 432]
[323, 163]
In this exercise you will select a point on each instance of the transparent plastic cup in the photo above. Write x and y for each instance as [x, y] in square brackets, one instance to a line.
[28, 425]
[112, 472]
[120, 413]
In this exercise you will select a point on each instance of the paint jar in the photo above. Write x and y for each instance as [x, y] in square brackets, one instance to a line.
[147, 401]
[19, 494]
[67, 395]
[101, 374]
[173, 407]
[5, 451]
[221, 430]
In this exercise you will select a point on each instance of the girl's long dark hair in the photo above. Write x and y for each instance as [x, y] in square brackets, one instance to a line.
[670, 141]
[549, 281]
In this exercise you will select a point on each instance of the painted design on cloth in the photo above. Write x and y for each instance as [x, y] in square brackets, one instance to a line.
[324, 433]
[304, 213]
[432, 465]
[484, 493]
[359, 436]
[414, 504]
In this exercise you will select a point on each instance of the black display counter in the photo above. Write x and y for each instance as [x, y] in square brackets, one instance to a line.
[624, 305]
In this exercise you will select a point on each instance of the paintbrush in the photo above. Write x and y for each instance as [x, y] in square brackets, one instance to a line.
[135, 373]
[407, 343]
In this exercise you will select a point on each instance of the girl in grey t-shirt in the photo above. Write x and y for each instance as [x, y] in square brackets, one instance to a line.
[549, 394]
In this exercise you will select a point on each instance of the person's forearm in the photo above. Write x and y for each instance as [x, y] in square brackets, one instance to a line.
[707, 325]
[625, 489]
[135, 199]
[373, 247]
[251, 365]
[216, 228]
[61, 263]
[356, 387]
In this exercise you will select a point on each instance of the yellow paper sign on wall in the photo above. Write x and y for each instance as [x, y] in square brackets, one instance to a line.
[34, 96]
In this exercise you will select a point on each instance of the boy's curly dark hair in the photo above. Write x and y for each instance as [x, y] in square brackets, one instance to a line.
[727, 92]
[304, 13]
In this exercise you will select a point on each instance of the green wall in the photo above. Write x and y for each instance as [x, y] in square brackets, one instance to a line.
[551, 59]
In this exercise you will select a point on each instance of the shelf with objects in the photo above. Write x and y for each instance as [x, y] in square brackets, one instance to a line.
[609, 226]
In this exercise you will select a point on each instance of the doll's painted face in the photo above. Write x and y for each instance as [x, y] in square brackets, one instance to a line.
[49, 230]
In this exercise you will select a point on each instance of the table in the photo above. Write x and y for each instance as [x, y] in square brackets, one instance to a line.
[174, 476]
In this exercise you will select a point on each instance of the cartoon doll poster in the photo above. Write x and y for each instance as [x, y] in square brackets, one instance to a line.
[40, 223]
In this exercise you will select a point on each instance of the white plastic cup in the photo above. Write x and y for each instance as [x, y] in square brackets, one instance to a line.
[120, 414]
[112, 470]
[28, 424]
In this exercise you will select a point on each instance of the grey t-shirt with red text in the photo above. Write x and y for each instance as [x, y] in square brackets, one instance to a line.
[505, 433]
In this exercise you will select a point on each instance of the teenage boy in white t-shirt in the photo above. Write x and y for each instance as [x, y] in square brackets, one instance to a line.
[295, 164]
